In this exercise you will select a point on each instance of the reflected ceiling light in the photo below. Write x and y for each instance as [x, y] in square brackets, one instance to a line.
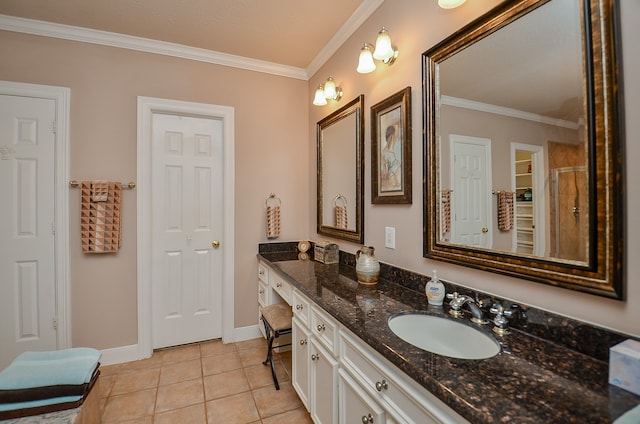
[383, 50]
[327, 91]
[450, 4]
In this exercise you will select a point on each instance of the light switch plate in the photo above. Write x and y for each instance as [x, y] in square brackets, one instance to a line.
[390, 237]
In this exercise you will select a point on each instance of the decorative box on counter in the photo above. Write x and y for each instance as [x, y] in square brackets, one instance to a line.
[624, 366]
[326, 252]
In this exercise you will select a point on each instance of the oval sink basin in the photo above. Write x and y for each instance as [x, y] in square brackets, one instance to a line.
[444, 336]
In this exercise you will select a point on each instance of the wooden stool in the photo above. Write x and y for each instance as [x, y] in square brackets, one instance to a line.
[277, 322]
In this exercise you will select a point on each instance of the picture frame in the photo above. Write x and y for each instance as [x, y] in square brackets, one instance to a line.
[391, 149]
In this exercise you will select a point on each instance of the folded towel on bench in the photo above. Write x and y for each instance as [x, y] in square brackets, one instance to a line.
[38, 375]
[43, 406]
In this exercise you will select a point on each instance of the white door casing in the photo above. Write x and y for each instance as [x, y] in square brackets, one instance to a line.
[146, 108]
[470, 176]
[34, 295]
[186, 198]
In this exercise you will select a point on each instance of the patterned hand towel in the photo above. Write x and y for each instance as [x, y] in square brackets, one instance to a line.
[505, 210]
[100, 219]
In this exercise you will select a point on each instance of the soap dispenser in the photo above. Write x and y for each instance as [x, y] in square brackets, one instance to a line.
[435, 290]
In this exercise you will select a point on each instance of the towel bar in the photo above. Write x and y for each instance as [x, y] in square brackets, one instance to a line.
[129, 185]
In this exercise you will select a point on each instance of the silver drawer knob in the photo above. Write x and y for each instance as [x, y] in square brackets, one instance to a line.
[321, 327]
[381, 385]
[315, 357]
[299, 307]
[367, 419]
[303, 342]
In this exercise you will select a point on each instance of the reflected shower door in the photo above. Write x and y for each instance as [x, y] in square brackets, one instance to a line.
[570, 213]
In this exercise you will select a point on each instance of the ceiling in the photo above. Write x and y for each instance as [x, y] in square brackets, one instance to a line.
[286, 32]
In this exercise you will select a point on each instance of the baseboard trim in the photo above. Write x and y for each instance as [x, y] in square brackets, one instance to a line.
[246, 333]
[118, 355]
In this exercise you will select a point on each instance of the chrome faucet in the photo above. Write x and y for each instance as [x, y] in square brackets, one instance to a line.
[457, 303]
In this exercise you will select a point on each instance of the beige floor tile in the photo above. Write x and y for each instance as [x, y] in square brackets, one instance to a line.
[130, 406]
[235, 409]
[272, 402]
[153, 362]
[260, 342]
[216, 347]
[180, 371]
[297, 416]
[194, 414]
[180, 353]
[179, 395]
[225, 384]
[134, 381]
[221, 363]
[260, 375]
[253, 356]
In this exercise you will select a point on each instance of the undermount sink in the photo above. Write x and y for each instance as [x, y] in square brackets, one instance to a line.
[443, 336]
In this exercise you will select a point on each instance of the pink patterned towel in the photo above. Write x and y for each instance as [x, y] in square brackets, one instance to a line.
[100, 219]
[506, 219]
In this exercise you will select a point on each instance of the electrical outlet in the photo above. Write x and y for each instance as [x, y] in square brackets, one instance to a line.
[390, 237]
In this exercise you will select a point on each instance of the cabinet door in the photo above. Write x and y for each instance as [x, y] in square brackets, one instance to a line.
[354, 404]
[324, 385]
[301, 359]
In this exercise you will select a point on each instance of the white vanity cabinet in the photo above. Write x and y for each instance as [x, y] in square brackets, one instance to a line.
[355, 405]
[402, 400]
[315, 367]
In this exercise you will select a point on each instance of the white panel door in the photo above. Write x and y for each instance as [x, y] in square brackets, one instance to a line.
[470, 165]
[186, 198]
[27, 216]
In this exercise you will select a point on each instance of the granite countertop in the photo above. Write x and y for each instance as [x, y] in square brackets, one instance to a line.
[531, 381]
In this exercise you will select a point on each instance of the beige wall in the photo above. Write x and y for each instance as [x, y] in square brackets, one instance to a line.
[273, 128]
[270, 130]
[414, 33]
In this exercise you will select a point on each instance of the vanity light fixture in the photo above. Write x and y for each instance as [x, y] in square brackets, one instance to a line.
[450, 4]
[327, 91]
[383, 50]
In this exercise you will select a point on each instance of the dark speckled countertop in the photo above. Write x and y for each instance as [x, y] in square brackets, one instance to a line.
[531, 381]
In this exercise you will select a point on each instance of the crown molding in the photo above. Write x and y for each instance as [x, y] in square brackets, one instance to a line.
[513, 113]
[104, 38]
[362, 13]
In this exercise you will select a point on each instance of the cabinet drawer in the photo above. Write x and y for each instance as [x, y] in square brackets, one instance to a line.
[324, 329]
[263, 272]
[382, 383]
[280, 286]
[300, 307]
[262, 293]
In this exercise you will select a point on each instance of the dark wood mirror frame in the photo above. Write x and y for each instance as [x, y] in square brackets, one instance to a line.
[603, 273]
[356, 107]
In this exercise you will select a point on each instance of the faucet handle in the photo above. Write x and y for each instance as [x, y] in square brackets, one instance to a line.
[500, 321]
[453, 295]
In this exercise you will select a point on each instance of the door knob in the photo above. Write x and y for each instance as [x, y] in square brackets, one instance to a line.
[215, 244]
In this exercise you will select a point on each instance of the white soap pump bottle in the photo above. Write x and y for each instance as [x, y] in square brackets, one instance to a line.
[435, 290]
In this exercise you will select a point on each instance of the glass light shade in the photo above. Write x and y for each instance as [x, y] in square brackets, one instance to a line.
[330, 88]
[320, 99]
[450, 4]
[384, 49]
[365, 63]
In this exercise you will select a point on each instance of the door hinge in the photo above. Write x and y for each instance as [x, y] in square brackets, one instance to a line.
[53, 228]
[55, 323]
[54, 127]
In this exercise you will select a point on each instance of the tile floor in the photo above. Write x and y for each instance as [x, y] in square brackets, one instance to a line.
[205, 383]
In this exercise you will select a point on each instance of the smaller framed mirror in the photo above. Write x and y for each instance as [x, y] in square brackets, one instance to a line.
[340, 145]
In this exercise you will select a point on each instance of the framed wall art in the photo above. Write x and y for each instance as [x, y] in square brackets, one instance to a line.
[391, 149]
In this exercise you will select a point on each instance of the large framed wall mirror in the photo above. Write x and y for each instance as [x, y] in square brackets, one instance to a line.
[340, 147]
[523, 145]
